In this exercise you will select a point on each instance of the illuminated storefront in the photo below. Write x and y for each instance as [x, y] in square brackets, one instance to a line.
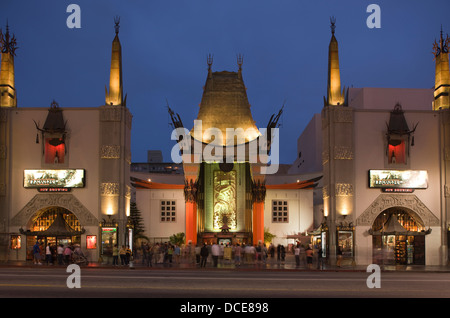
[53, 226]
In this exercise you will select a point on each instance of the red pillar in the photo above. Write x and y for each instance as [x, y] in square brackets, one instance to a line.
[191, 222]
[258, 222]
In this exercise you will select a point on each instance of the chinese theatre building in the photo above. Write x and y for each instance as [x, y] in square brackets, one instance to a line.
[385, 159]
[64, 172]
[229, 193]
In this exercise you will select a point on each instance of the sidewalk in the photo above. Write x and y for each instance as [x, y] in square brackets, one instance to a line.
[271, 264]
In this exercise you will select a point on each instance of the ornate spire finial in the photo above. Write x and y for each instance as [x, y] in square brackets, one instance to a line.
[8, 44]
[209, 60]
[442, 46]
[333, 24]
[240, 60]
[116, 22]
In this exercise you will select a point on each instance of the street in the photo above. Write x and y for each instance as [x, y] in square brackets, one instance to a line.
[48, 282]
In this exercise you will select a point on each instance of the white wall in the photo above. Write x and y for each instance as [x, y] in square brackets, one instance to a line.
[148, 202]
[301, 213]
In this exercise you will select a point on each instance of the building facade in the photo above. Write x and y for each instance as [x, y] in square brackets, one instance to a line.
[385, 170]
[65, 172]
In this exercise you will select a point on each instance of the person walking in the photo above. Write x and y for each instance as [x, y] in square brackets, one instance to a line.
[67, 254]
[115, 254]
[297, 254]
[123, 255]
[128, 255]
[319, 258]
[60, 254]
[339, 256]
[37, 253]
[48, 255]
[283, 253]
[237, 255]
[309, 256]
[204, 255]
[215, 251]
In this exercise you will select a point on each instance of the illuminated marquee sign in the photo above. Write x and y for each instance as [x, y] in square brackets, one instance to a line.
[398, 179]
[63, 178]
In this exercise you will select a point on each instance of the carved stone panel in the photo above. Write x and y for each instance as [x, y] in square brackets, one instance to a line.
[111, 113]
[110, 152]
[109, 188]
[386, 201]
[344, 189]
[67, 201]
[343, 153]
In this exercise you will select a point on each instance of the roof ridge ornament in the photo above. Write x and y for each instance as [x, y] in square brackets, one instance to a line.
[333, 24]
[8, 44]
[442, 46]
[117, 22]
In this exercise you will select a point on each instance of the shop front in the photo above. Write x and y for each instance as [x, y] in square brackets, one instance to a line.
[398, 238]
[52, 226]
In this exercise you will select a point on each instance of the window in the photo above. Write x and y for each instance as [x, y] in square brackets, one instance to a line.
[397, 152]
[168, 211]
[55, 150]
[280, 211]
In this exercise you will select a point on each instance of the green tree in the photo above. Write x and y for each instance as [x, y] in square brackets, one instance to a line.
[135, 219]
[177, 239]
[268, 237]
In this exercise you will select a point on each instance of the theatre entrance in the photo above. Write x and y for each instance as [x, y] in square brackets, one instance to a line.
[398, 238]
[54, 226]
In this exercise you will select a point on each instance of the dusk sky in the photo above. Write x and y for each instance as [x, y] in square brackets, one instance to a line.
[165, 44]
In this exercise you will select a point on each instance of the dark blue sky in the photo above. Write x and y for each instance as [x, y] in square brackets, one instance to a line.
[165, 44]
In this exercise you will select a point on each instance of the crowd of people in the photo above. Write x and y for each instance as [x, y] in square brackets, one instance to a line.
[53, 254]
[216, 254]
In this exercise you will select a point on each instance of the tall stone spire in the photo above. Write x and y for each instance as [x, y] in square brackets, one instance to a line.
[334, 94]
[115, 94]
[8, 44]
[442, 76]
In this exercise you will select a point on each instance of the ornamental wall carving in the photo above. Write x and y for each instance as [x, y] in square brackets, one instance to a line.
[343, 115]
[343, 153]
[344, 189]
[110, 152]
[3, 115]
[109, 188]
[386, 201]
[111, 113]
[41, 201]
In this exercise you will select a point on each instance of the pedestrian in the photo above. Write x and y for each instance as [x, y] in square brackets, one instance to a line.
[37, 253]
[309, 256]
[67, 254]
[144, 248]
[123, 255]
[177, 253]
[48, 255]
[215, 251]
[197, 254]
[169, 253]
[150, 256]
[204, 255]
[283, 253]
[278, 252]
[339, 256]
[60, 254]
[319, 258]
[128, 254]
[264, 253]
[115, 254]
[271, 250]
[237, 255]
[297, 254]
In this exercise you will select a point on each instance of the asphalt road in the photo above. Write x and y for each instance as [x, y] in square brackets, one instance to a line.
[45, 282]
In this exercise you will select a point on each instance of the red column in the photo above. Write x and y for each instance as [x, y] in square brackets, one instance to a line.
[258, 222]
[191, 222]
